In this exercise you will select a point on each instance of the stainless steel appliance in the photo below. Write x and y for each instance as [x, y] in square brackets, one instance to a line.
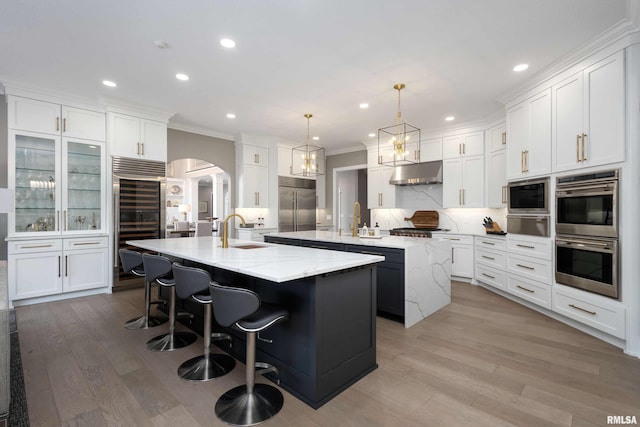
[296, 204]
[529, 197]
[139, 188]
[414, 232]
[587, 204]
[588, 263]
[532, 225]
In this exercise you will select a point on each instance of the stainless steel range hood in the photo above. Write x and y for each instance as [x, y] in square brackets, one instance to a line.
[417, 173]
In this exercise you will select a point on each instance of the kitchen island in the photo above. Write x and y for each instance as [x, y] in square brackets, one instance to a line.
[413, 282]
[329, 341]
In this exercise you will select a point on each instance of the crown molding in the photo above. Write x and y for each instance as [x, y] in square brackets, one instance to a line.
[343, 150]
[27, 90]
[200, 131]
[115, 105]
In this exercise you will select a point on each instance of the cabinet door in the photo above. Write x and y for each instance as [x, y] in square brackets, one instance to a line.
[81, 123]
[473, 182]
[452, 183]
[34, 173]
[517, 139]
[496, 179]
[431, 150]
[35, 274]
[390, 288]
[473, 144]
[284, 161]
[462, 260]
[153, 138]
[373, 187]
[255, 155]
[35, 116]
[124, 135]
[604, 112]
[452, 147]
[86, 269]
[538, 155]
[388, 197]
[255, 187]
[498, 137]
[567, 124]
[83, 186]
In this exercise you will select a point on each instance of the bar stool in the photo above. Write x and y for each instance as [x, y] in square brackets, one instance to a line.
[132, 264]
[158, 269]
[193, 283]
[251, 403]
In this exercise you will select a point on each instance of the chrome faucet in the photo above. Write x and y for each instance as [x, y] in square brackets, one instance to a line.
[356, 219]
[225, 227]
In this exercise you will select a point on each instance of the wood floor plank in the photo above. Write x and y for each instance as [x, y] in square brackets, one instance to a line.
[152, 396]
[88, 419]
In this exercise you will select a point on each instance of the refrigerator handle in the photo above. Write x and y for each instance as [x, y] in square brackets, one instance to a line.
[116, 228]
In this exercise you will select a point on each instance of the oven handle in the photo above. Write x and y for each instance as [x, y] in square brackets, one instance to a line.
[592, 188]
[604, 247]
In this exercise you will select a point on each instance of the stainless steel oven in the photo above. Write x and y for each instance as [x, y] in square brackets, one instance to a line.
[586, 204]
[588, 263]
[529, 197]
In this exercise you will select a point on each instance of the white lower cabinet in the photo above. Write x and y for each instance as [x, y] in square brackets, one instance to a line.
[529, 268]
[533, 291]
[461, 253]
[490, 261]
[39, 268]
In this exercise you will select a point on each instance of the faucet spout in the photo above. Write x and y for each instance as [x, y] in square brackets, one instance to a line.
[356, 219]
[225, 228]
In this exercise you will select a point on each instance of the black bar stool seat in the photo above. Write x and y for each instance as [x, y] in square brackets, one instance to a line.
[158, 269]
[132, 264]
[253, 402]
[193, 283]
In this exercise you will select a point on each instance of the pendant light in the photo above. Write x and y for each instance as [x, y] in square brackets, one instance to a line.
[399, 144]
[307, 159]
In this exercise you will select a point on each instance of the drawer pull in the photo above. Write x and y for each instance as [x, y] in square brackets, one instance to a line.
[525, 266]
[525, 246]
[451, 238]
[488, 275]
[488, 243]
[593, 313]
[36, 246]
[488, 257]
[525, 289]
[85, 243]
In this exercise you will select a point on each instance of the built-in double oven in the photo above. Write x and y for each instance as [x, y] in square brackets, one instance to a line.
[586, 242]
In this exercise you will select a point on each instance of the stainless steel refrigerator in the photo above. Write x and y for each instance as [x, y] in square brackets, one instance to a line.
[296, 204]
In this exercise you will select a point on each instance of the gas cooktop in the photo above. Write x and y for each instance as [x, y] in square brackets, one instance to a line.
[414, 232]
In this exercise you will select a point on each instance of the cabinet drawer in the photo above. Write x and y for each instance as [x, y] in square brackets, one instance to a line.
[85, 243]
[489, 243]
[461, 239]
[530, 246]
[390, 255]
[491, 276]
[607, 316]
[532, 268]
[322, 245]
[491, 258]
[29, 246]
[530, 290]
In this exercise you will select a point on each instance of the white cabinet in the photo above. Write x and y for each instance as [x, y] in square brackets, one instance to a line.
[529, 137]
[431, 150]
[490, 261]
[497, 179]
[39, 268]
[588, 116]
[461, 253]
[498, 137]
[254, 234]
[284, 161]
[253, 176]
[45, 117]
[131, 136]
[529, 268]
[380, 194]
[463, 182]
[468, 144]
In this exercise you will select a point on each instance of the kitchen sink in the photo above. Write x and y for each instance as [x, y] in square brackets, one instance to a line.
[248, 246]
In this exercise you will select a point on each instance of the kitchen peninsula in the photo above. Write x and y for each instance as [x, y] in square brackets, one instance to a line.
[329, 340]
[413, 282]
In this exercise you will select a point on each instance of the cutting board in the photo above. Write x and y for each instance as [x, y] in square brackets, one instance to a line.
[424, 219]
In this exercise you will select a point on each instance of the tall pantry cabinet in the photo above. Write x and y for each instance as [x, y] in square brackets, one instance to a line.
[57, 241]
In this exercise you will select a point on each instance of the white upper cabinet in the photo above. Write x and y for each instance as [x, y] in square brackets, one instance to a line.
[431, 150]
[256, 155]
[497, 179]
[498, 137]
[131, 136]
[463, 182]
[529, 137]
[588, 116]
[464, 145]
[252, 168]
[380, 194]
[55, 119]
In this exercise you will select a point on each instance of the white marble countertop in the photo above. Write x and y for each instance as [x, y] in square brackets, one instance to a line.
[333, 236]
[276, 263]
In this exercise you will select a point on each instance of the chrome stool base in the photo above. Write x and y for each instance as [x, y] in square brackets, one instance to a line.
[169, 342]
[239, 408]
[205, 368]
[142, 323]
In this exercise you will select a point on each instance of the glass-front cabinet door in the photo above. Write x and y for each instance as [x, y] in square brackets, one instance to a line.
[83, 181]
[34, 161]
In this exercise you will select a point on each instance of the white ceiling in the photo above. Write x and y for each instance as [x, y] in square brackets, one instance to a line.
[296, 56]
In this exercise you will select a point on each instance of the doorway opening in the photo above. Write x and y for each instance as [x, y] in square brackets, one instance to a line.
[349, 186]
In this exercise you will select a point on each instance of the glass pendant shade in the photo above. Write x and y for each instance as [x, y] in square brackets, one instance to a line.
[307, 159]
[399, 144]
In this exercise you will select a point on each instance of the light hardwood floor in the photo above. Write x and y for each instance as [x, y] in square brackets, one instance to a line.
[482, 360]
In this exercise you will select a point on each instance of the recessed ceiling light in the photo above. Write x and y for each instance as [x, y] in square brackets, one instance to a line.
[520, 67]
[316, 138]
[228, 43]
[449, 118]
[364, 105]
[182, 77]
[371, 135]
[231, 116]
[109, 83]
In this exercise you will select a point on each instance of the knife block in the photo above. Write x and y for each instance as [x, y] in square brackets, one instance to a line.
[495, 229]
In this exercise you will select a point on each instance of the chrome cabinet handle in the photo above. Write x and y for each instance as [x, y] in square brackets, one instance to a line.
[525, 266]
[488, 257]
[526, 160]
[525, 246]
[138, 148]
[57, 124]
[35, 246]
[488, 275]
[584, 136]
[504, 194]
[142, 145]
[64, 125]
[452, 259]
[525, 289]
[66, 266]
[59, 266]
[489, 243]
[504, 138]
[593, 313]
